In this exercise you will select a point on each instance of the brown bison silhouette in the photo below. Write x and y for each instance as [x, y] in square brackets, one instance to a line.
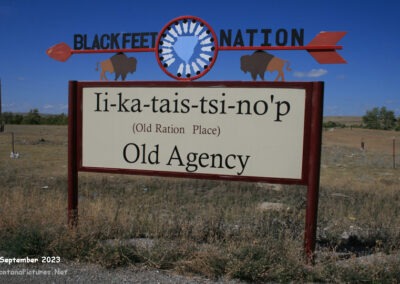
[261, 61]
[119, 64]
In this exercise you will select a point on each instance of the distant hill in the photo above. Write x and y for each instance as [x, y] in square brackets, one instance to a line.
[346, 120]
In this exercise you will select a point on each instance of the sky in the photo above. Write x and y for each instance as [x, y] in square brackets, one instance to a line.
[31, 79]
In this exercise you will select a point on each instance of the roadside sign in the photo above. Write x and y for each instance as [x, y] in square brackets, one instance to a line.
[244, 131]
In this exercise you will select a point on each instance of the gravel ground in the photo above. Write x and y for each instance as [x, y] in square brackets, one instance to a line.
[90, 273]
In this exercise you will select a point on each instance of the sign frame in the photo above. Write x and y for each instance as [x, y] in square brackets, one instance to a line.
[312, 137]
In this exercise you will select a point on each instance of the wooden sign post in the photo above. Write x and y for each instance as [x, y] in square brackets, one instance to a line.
[237, 131]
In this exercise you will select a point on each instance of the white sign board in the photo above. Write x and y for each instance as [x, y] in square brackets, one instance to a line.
[195, 129]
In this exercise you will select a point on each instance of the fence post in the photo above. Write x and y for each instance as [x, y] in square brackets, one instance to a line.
[12, 143]
[394, 152]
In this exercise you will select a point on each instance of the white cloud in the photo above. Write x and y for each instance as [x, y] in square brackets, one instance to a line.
[59, 108]
[313, 73]
[48, 106]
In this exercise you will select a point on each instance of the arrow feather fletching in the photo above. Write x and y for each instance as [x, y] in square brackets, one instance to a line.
[323, 55]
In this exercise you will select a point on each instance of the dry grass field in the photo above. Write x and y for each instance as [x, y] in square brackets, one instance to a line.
[209, 228]
[346, 120]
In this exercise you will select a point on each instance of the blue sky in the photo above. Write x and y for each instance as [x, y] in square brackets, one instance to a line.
[30, 79]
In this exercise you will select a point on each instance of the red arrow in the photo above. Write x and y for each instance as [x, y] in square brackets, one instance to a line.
[323, 48]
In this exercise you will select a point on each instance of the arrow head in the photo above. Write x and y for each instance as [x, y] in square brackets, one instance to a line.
[60, 52]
